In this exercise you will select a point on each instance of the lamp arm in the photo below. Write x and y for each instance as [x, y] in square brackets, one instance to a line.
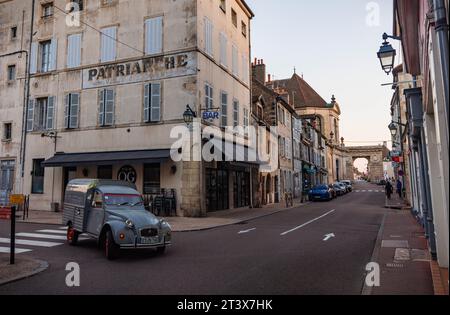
[386, 37]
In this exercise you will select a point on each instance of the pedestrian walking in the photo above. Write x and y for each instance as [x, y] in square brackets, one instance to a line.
[389, 189]
[400, 188]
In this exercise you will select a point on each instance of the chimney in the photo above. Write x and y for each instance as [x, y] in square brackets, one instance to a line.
[259, 71]
[269, 78]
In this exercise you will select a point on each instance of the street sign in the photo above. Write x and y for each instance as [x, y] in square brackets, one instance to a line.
[16, 199]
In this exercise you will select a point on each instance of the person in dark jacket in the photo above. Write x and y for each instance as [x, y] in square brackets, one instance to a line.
[389, 189]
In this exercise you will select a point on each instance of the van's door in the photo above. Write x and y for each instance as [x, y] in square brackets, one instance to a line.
[96, 214]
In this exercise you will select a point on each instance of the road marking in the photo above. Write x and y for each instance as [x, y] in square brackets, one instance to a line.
[370, 190]
[364, 191]
[247, 231]
[328, 237]
[6, 250]
[31, 243]
[63, 228]
[45, 236]
[307, 223]
[53, 231]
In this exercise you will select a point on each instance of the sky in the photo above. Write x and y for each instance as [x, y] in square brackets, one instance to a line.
[333, 43]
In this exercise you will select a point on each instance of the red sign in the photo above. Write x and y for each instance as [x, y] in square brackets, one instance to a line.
[5, 213]
[397, 159]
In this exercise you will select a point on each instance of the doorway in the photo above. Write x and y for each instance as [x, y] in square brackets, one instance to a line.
[217, 192]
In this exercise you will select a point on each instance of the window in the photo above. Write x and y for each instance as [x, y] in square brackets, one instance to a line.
[282, 147]
[37, 177]
[108, 44]
[246, 117]
[11, 72]
[224, 108]
[47, 10]
[234, 18]
[223, 5]
[152, 102]
[154, 36]
[74, 51]
[208, 37]
[235, 62]
[45, 56]
[106, 110]
[105, 172]
[235, 113]
[223, 50]
[209, 94]
[78, 5]
[244, 29]
[152, 179]
[71, 110]
[7, 131]
[245, 69]
[13, 32]
[7, 175]
[97, 200]
[41, 113]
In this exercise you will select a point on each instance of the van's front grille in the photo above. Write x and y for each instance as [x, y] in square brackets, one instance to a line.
[149, 232]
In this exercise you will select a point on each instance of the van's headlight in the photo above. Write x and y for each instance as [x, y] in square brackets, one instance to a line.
[164, 224]
[129, 224]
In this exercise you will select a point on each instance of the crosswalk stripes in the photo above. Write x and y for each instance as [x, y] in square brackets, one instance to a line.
[47, 238]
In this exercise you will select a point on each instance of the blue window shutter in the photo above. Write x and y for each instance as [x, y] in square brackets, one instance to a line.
[50, 119]
[34, 58]
[147, 103]
[53, 54]
[74, 109]
[30, 115]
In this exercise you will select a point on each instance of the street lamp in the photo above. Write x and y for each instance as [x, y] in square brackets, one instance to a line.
[189, 115]
[387, 54]
[394, 130]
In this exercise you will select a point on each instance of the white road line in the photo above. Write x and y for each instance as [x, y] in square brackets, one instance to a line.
[53, 231]
[307, 223]
[31, 243]
[6, 250]
[370, 190]
[63, 228]
[247, 231]
[45, 236]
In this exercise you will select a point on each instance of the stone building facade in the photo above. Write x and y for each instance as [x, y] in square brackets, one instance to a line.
[105, 94]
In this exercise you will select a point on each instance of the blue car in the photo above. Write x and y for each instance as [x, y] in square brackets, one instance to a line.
[320, 192]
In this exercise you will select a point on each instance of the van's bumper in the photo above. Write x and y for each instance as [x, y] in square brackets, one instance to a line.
[144, 246]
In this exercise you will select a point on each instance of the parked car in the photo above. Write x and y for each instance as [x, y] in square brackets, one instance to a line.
[340, 189]
[113, 213]
[348, 184]
[320, 192]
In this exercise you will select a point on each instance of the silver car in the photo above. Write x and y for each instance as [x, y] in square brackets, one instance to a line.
[113, 213]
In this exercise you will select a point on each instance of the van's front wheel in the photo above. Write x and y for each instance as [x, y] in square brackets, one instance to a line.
[72, 236]
[111, 249]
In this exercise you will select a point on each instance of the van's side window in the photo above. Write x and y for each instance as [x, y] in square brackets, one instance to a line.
[98, 200]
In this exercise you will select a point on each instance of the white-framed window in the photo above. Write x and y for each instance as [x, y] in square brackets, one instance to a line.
[223, 50]
[41, 114]
[235, 113]
[224, 108]
[43, 56]
[152, 102]
[108, 44]
[106, 107]
[235, 61]
[47, 10]
[71, 110]
[73, 50]
[245, 69]
[154, 35]
[209, 96]
[209, 29]
[246, 117]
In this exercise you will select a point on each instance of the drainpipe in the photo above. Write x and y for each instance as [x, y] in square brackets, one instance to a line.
[441, 29]
[27, 100]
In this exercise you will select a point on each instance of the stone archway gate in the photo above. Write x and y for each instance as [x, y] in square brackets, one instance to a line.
[376, 155]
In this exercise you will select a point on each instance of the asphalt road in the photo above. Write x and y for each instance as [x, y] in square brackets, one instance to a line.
[280, 254]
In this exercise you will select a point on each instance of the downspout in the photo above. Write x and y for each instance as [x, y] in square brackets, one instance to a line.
[441, 29]
[27, 100]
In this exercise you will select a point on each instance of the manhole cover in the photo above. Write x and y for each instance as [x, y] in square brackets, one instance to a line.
[395, 244]
[402, 254]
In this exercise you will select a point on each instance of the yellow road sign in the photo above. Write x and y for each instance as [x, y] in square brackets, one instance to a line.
[16, 199]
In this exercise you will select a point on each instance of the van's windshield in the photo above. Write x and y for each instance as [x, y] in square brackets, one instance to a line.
[123, 200]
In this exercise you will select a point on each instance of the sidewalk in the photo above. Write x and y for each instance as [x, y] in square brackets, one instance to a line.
[402, 253]
[24, 267]
[181, 224]
[395, 202]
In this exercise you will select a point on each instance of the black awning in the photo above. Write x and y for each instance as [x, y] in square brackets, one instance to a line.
[106, 158]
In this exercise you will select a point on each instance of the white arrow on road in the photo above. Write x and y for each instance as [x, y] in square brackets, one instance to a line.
[247, 231]
[328, 237]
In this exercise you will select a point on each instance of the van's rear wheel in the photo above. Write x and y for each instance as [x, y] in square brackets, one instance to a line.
[72, 236]
[111, 249]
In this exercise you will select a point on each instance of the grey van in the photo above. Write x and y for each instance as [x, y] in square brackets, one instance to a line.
[113, 213]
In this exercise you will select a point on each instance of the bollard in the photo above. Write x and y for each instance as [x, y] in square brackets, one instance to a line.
[13, 236]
